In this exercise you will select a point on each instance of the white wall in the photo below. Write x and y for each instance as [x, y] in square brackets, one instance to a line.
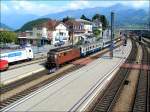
[42, 32]
[61, 33]
[87, 28]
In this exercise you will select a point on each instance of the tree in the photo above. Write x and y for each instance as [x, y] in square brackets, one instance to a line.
[84, 17]
[96, 32]
[8, 37]
[67, 18]
[96, 17]
[102, 19]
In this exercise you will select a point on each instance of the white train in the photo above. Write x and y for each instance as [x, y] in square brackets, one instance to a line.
[94, 47]
[17, 55]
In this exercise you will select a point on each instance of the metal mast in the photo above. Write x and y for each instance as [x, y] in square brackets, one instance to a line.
[112, 34]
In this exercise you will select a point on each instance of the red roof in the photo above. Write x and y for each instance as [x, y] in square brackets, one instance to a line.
[22, 34]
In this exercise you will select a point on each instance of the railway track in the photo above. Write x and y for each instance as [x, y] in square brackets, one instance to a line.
[27, 91]
[106, 101]
[148, 43]
[21, 64]
[37, 86]
[141, 101]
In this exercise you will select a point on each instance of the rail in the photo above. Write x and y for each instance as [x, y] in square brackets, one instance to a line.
[141, 101]
[48, 79]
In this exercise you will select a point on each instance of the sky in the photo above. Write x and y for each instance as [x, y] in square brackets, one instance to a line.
[43, 7]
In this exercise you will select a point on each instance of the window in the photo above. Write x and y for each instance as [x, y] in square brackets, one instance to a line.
[39, 28]
[56, 39]
[61, 33]
[64, 38]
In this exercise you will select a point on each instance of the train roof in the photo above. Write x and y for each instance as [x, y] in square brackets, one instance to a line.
[60, 49]
[90, 44]
[11, 50]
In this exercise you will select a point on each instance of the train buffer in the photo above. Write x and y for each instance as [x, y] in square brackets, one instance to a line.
[52, 70]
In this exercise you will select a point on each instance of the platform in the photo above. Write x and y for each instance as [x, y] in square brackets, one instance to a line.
[10, 76]
[75, 88]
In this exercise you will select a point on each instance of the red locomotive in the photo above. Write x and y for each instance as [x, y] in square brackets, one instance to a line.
[59, 56]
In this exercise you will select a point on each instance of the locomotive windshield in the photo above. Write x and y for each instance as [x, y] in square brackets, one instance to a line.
[51, 57]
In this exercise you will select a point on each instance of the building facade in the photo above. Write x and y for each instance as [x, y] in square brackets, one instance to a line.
[87, 25]
[50, 32]
[76, 30]
[57, 32]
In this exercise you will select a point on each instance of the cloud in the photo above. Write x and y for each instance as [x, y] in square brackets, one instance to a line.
[45, 7]
[31, 7]
[78, 4]
[136, 4]
[4, 7]
[140, 3]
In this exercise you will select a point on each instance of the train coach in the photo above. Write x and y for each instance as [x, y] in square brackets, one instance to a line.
[90, 48]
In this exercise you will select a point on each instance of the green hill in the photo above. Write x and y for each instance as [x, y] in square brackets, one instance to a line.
[29, 25]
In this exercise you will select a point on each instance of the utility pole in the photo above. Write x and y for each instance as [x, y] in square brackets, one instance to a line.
[72, 37]
[112, 34]
[72, 33]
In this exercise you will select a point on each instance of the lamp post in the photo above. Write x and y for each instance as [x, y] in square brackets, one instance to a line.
[112, 34]
[72, 33]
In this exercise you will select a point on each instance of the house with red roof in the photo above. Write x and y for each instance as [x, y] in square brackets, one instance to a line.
[52, 30]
